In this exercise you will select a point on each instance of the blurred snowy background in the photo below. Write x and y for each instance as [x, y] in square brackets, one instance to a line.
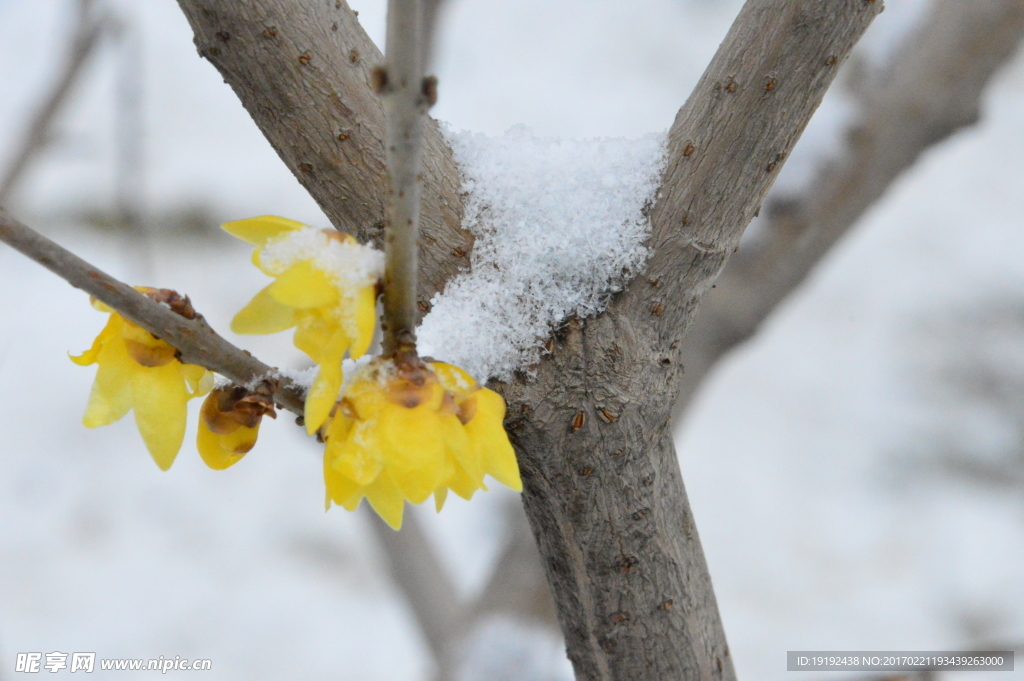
[857, 471]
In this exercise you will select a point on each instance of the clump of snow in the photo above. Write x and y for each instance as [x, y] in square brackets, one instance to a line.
[559, 225]
[221, 383]
[300, 377]
[352, 368]
[350, 264]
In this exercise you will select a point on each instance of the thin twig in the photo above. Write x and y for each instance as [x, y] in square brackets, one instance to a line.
[432, 10]
[193, 338]
[87, 35]
[407, 96]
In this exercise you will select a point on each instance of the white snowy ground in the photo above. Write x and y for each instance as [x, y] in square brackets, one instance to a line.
[792, 456]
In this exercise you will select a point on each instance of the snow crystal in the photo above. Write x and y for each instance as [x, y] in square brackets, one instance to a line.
[559, 225]
[300, 377]
[351, 264]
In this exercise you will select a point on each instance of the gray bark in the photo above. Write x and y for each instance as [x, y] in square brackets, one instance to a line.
[930, 89]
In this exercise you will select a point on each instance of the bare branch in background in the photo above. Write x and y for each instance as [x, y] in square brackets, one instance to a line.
[930, 89]
[193, 338]
[427, 588]
[517, 587]
[89, 29]
[130, 144]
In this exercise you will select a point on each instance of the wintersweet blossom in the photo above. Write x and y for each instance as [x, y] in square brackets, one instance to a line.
[138, 371]
[406, 430]
[325, 285]
[229, 423]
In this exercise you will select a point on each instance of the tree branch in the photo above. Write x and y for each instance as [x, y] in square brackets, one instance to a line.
[193, 338]
[302, 71]
[427, 588]
[517, 586]
[931, 89]
[604, 496]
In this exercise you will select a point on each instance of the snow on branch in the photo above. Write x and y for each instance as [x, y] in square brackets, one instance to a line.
[559, 227]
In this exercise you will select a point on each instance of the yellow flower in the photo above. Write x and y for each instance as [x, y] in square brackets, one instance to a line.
[411, 430]
[325, 285]
[229, 423]
[139, 371]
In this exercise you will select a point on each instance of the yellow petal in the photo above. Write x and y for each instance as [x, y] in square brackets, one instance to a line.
[367, 399]
[340, 489]
[198, 380]
[222, 451]
[366, 320]
[462, 484]
[337, 432]
[264, 314]
[452, 378]
[303, 286]
[324, 391]
[386, 499]
[111, 395]
[261, 230]
[440, 495]
[314, 332]
[413, 448]
[321, 398]
[159, 399]
[460, 447]
[360, 456]
[486, 430]
[150, 355]
[111, 330]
